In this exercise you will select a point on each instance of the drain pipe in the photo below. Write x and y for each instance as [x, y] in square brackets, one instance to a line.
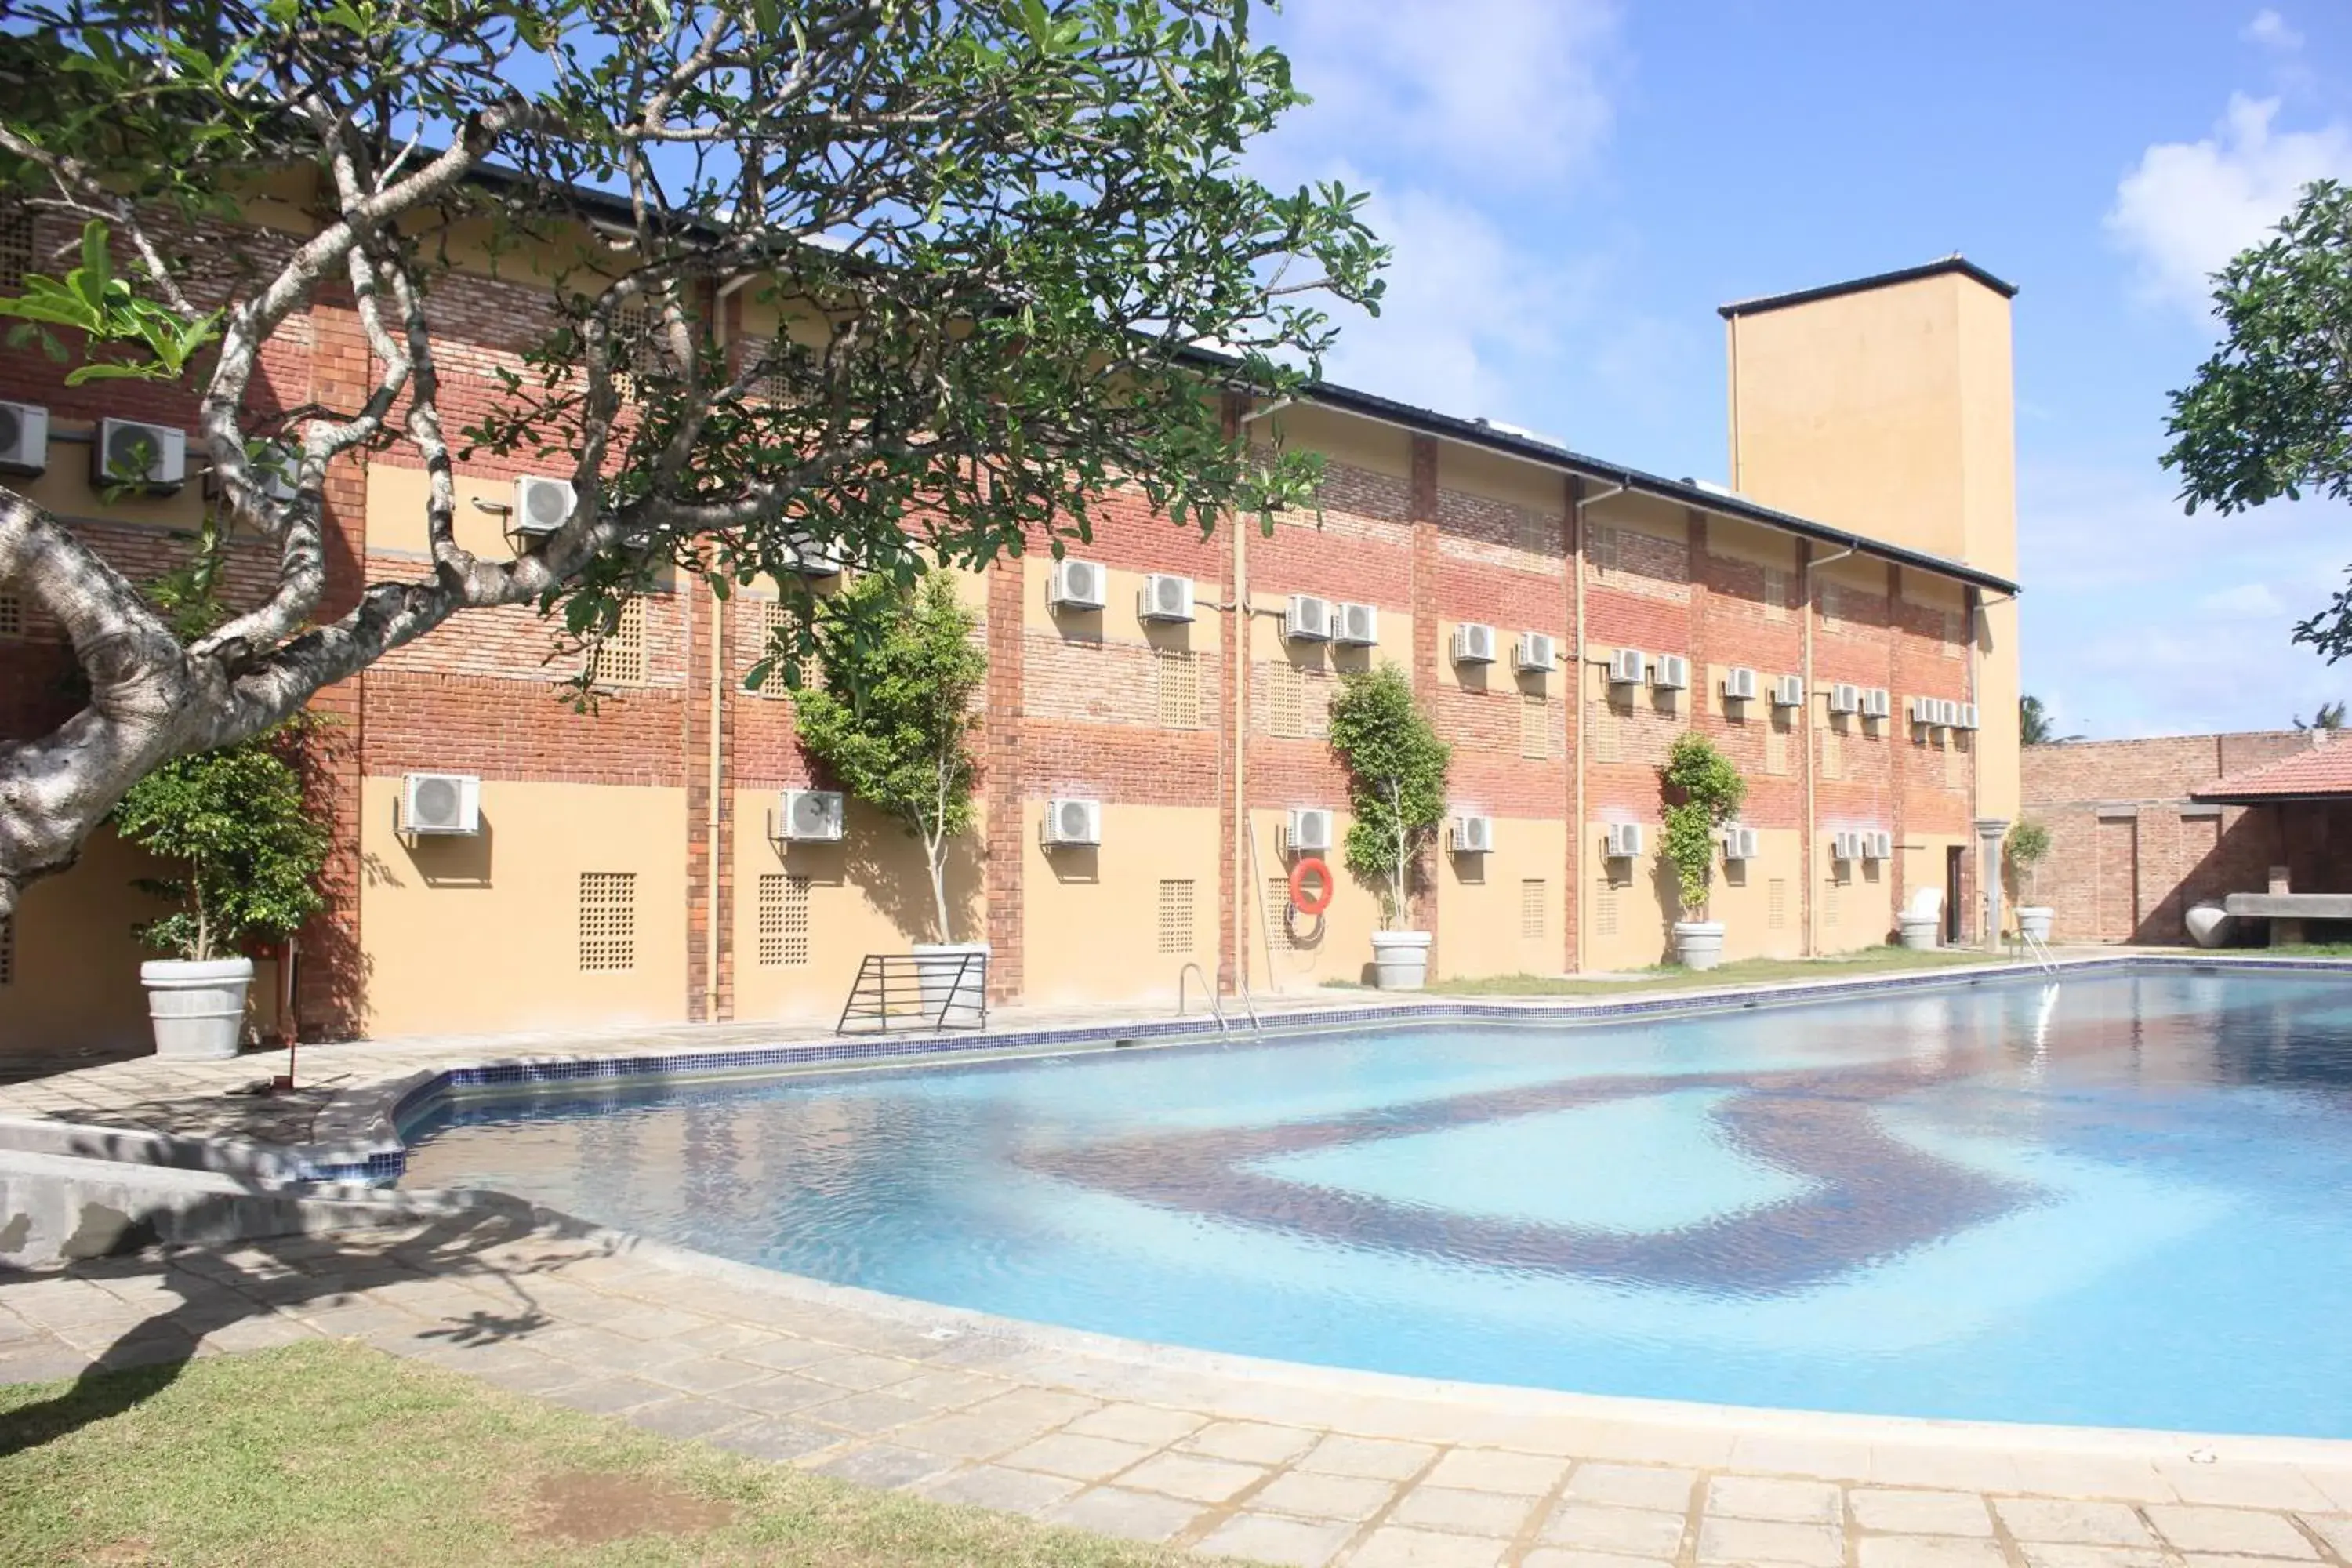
[1576, 826]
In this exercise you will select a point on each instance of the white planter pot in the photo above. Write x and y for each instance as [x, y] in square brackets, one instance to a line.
[1401, 960]
[1698, 944]
[1920, 933]
[197, 1009]
[2034, 920]
[2209, 924]
[951, 992]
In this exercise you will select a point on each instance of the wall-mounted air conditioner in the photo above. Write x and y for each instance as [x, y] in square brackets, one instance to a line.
[1537, 652]
[1877, 845]
[1072, 822]
[1670, 672]
[1623, 842]
[1078, 585]
[811, 558]
[1164, 597]
[1309, 830]
[1628, 666]
[1846, 697]
[1876, 703]
[1741, 843]
[24, 437]
[808, 817]
[1357, 626]
[1845, 845]
[1947, 713]
[542, 505]
[1967, 719]
[1788, 691]
[1307, 619]
[1925, 711]
[1473, 644]
[1739, 684]
[1474, 834]
[440, 804]
[153, 458]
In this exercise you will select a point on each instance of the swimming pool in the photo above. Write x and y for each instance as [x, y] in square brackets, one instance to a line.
[2124, 1199]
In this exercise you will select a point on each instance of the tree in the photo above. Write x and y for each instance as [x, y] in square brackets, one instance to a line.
[1704, 791]
[901, 671]
[2327, 716]
[2029, 846]
[2035, 727]
[1396, 781]
[1001, 234]
[2270, 414]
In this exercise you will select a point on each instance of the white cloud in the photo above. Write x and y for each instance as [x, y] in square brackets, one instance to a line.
[2271, 32]
[2247, 601]
[2189, 206]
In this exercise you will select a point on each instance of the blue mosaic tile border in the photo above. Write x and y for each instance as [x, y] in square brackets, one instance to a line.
[384, 1164]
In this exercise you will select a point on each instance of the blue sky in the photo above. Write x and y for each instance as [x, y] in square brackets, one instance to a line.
[1573, 186]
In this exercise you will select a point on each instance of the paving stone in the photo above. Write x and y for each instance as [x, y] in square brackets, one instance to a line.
[1462, 1511]
[1314, 1495]
[866, 1414]
[1749, 1541]
[1194, 1476]
[776, 1441]
[687, 1417]
[859, 1371]
[1633, 1486]
[1914, 1512]
[2335, 1528]
[1130, 1516]
[2069, 1555]
[2228, 1560]
[1253, 1442]
[780, 1393]
[1083, 1459]
[882, 1464]
[609, 1395]
[1138, 1424]
[1009, 1491]
[938, 1391]
[1929, 1552]
[1396, 1547]
[1265, 1538]
[2242, 1486]
[2051, 1520]
[1569, 1557]
[1497, 1470]
[1758, 1497]
[1381, 1458]
[784, 1355]
[706, 1375]
[2230, 1530]
[1632, 1531]
[1038, 1410]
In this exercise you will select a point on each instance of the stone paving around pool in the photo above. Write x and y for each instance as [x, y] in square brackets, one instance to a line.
[1250, 1460]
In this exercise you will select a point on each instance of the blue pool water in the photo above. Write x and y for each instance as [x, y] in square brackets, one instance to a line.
[2124, 1200]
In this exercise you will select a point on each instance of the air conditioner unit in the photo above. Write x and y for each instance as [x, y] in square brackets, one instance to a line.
[542, 505]
[1925, 711]
[1845, 845]
[1741, 843]
[1537, 652]
[1357, 626]
[1876, 703]
[1948, 714]
[440, 804]
[1739, 684]
[1670, 672]
[1307, 619]
[24, 437]
[1846, 697]
[813, 557]
[1628, 666]
[1624, 841]
[1072, 822]
[147, 456]
[1310, 831]
[1473, 644]
[808, 817]
[1474, 834]
[1078, 585]
[1788, 691]
[1968, 717]
[1878, 846]
[1164, 597]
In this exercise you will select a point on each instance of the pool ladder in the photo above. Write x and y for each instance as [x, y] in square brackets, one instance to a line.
[2038, 951]
[1210, 991]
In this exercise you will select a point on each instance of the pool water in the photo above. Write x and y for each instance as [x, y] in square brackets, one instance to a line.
[2121, 1200]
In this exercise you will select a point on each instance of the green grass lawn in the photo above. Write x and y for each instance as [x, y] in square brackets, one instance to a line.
[1674, 977]
[331, 1454]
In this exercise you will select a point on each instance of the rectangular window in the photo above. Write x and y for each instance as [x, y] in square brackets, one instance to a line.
[608, 921]
[618, 657]
[1285, 700]
[1608, 745]
[1535, 726]
[8, 950]
[1535, 531]
[16, 246]
[766, 618]
[1532, 905]
[1831, 892]
[11, 614]
[1832, 753]
[1776, 746]
[1776, 594]
[1776, 903]
[1955, 633]
[1180, 691]
[1603, 547]
[783, 920]
[1604, 908]
[1277, 914]
[1176, 916]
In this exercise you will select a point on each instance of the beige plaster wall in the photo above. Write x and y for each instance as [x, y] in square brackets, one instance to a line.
[1479, 902]
[482, 933]
[1116, 621]
[1090, 915]
[1308, 949]
[76, 972]
[1341, 438]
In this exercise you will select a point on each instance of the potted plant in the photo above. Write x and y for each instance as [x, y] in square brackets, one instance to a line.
[891, 719]
[246, 853]
[1396, 792]
[1703, 790]
[2029, 845]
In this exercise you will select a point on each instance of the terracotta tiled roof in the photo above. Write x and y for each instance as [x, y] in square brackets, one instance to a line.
[2323, 772]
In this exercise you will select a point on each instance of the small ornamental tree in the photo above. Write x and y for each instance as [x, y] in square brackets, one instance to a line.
[1396, 781]
[892, 716]
[1703, 790]
[2029, 845]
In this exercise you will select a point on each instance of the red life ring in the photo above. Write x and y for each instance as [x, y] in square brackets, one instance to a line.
[1311, 865]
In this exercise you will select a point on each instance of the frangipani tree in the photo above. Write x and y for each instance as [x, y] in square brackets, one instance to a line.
[1397, 768]
[1003, 228]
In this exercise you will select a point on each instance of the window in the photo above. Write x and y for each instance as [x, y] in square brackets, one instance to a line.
[1776, 904]
[608, 921]
[766, 619]
[1830, 900]
[618, 657]
[1285, 700]
[1832, 753]
[11, 614]
[1776, 746]
[1608, 746]
[1776, 594]
[1532, 902]
[1604, 546]
[16, 246]
[774, 381]
[1180, 692]
[783, 920]
[1534, 530]
[1535, 726]
[1604, 908]
[8, 950]
[1277, 914]
[1176, 917]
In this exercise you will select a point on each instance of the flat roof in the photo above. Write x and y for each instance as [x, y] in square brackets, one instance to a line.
[1952, 263]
